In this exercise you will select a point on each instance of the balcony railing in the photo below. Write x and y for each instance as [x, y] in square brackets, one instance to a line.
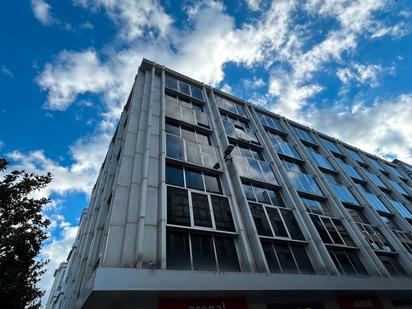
[183, 112]
[187, 151]
[254, 169]
[237, 133]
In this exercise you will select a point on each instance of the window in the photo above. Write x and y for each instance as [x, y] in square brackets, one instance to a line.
[355, 156]
[283, 147]
[398, 187]
[392, 265]
[376, 164]
[331, 230]
[349, 170]
[374, 237]
[249, 152]
[201, 211]
[347, 262]
[260, 219]
[402, 209]
[254, 169]
[226, 254]
[284, 258]
[178, 206]
[194, 179]
[319, 160]
[174, 175]
[315, 206]
[231, 106]
[342, 193]
[207, 253]
[357, 215]
[174, 147]
[375, 179]
[304, 135]
[177, 250]
[222, 213]
[301, 182]
[271, 122]
[263, 195]
[171, 83]
[203, 252]
[394, 170]
[189, 134]
[331, 146]
[212, 183]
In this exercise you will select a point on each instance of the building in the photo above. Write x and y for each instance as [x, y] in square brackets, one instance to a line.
[207, 201]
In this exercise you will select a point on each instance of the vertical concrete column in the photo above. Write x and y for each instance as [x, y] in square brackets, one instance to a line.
[247, 262]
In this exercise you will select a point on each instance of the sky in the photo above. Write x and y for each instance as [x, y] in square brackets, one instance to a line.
[66, 68]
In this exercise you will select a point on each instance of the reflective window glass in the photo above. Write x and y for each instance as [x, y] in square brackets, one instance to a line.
[184, 88]
[194, 179]
[203, 252]
[292, 224]
[259, 217]
[212, 183]
[178, 252]
[286, 259]
[174, 175]
[222, 213]
[277, 223]
[201, 210]
[170, 83]
[178, 206]
[174, 147]
[226, 254]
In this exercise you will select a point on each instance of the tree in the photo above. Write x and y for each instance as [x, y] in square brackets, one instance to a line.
[22, 230]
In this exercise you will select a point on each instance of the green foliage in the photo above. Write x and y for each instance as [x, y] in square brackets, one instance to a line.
[22, 230]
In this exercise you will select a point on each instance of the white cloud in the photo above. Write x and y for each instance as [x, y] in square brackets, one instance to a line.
[72, 74]
[396, 31]
[253, 83]
[382, 128]
[42, 11]
[363, 74]
[133, 17]
[56, 250]
[253, 4]
[5, 71]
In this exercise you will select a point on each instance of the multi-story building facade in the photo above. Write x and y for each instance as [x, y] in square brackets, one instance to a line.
[207, 201]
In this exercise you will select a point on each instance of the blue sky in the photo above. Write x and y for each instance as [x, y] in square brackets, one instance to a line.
[66, 67]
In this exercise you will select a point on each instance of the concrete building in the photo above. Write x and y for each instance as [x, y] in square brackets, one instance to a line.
[207, 201]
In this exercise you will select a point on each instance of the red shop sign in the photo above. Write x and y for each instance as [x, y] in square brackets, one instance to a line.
[359, 302]
[213, 303]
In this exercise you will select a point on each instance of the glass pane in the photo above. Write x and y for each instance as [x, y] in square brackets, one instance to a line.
[203, 138]
[321, 229]
[209, 156]
[276, 198]
[178, 206]
[332, 231]
[270, 257]
[248, 190]
[201, 118]
[174, 147]
[212, 183]
[286, 259]
[259, 217]
[184, 88]
[301, 257]
[262, 195]
[356, 263]
[222, 213]
[203, 253]
[241, 166]
[226, 254]
[229, 128]
[178, 252]
[196, 92]
[193, 153]
[173, 110]
[277, 223]
[345, 263]
[174, 175]
[343, 233]
[194, 179]
[170, 83]
[188, 115]
[292, 224]
[201, 210]
[172, 129]
[255, 170]
[267, 171]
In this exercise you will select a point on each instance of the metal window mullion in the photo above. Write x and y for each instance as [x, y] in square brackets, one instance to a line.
[277, 258]
[268, 220]
[212, 214]
[192, 221]
[293, 255]
[215, 253]
[284, 222]
[190, 250]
